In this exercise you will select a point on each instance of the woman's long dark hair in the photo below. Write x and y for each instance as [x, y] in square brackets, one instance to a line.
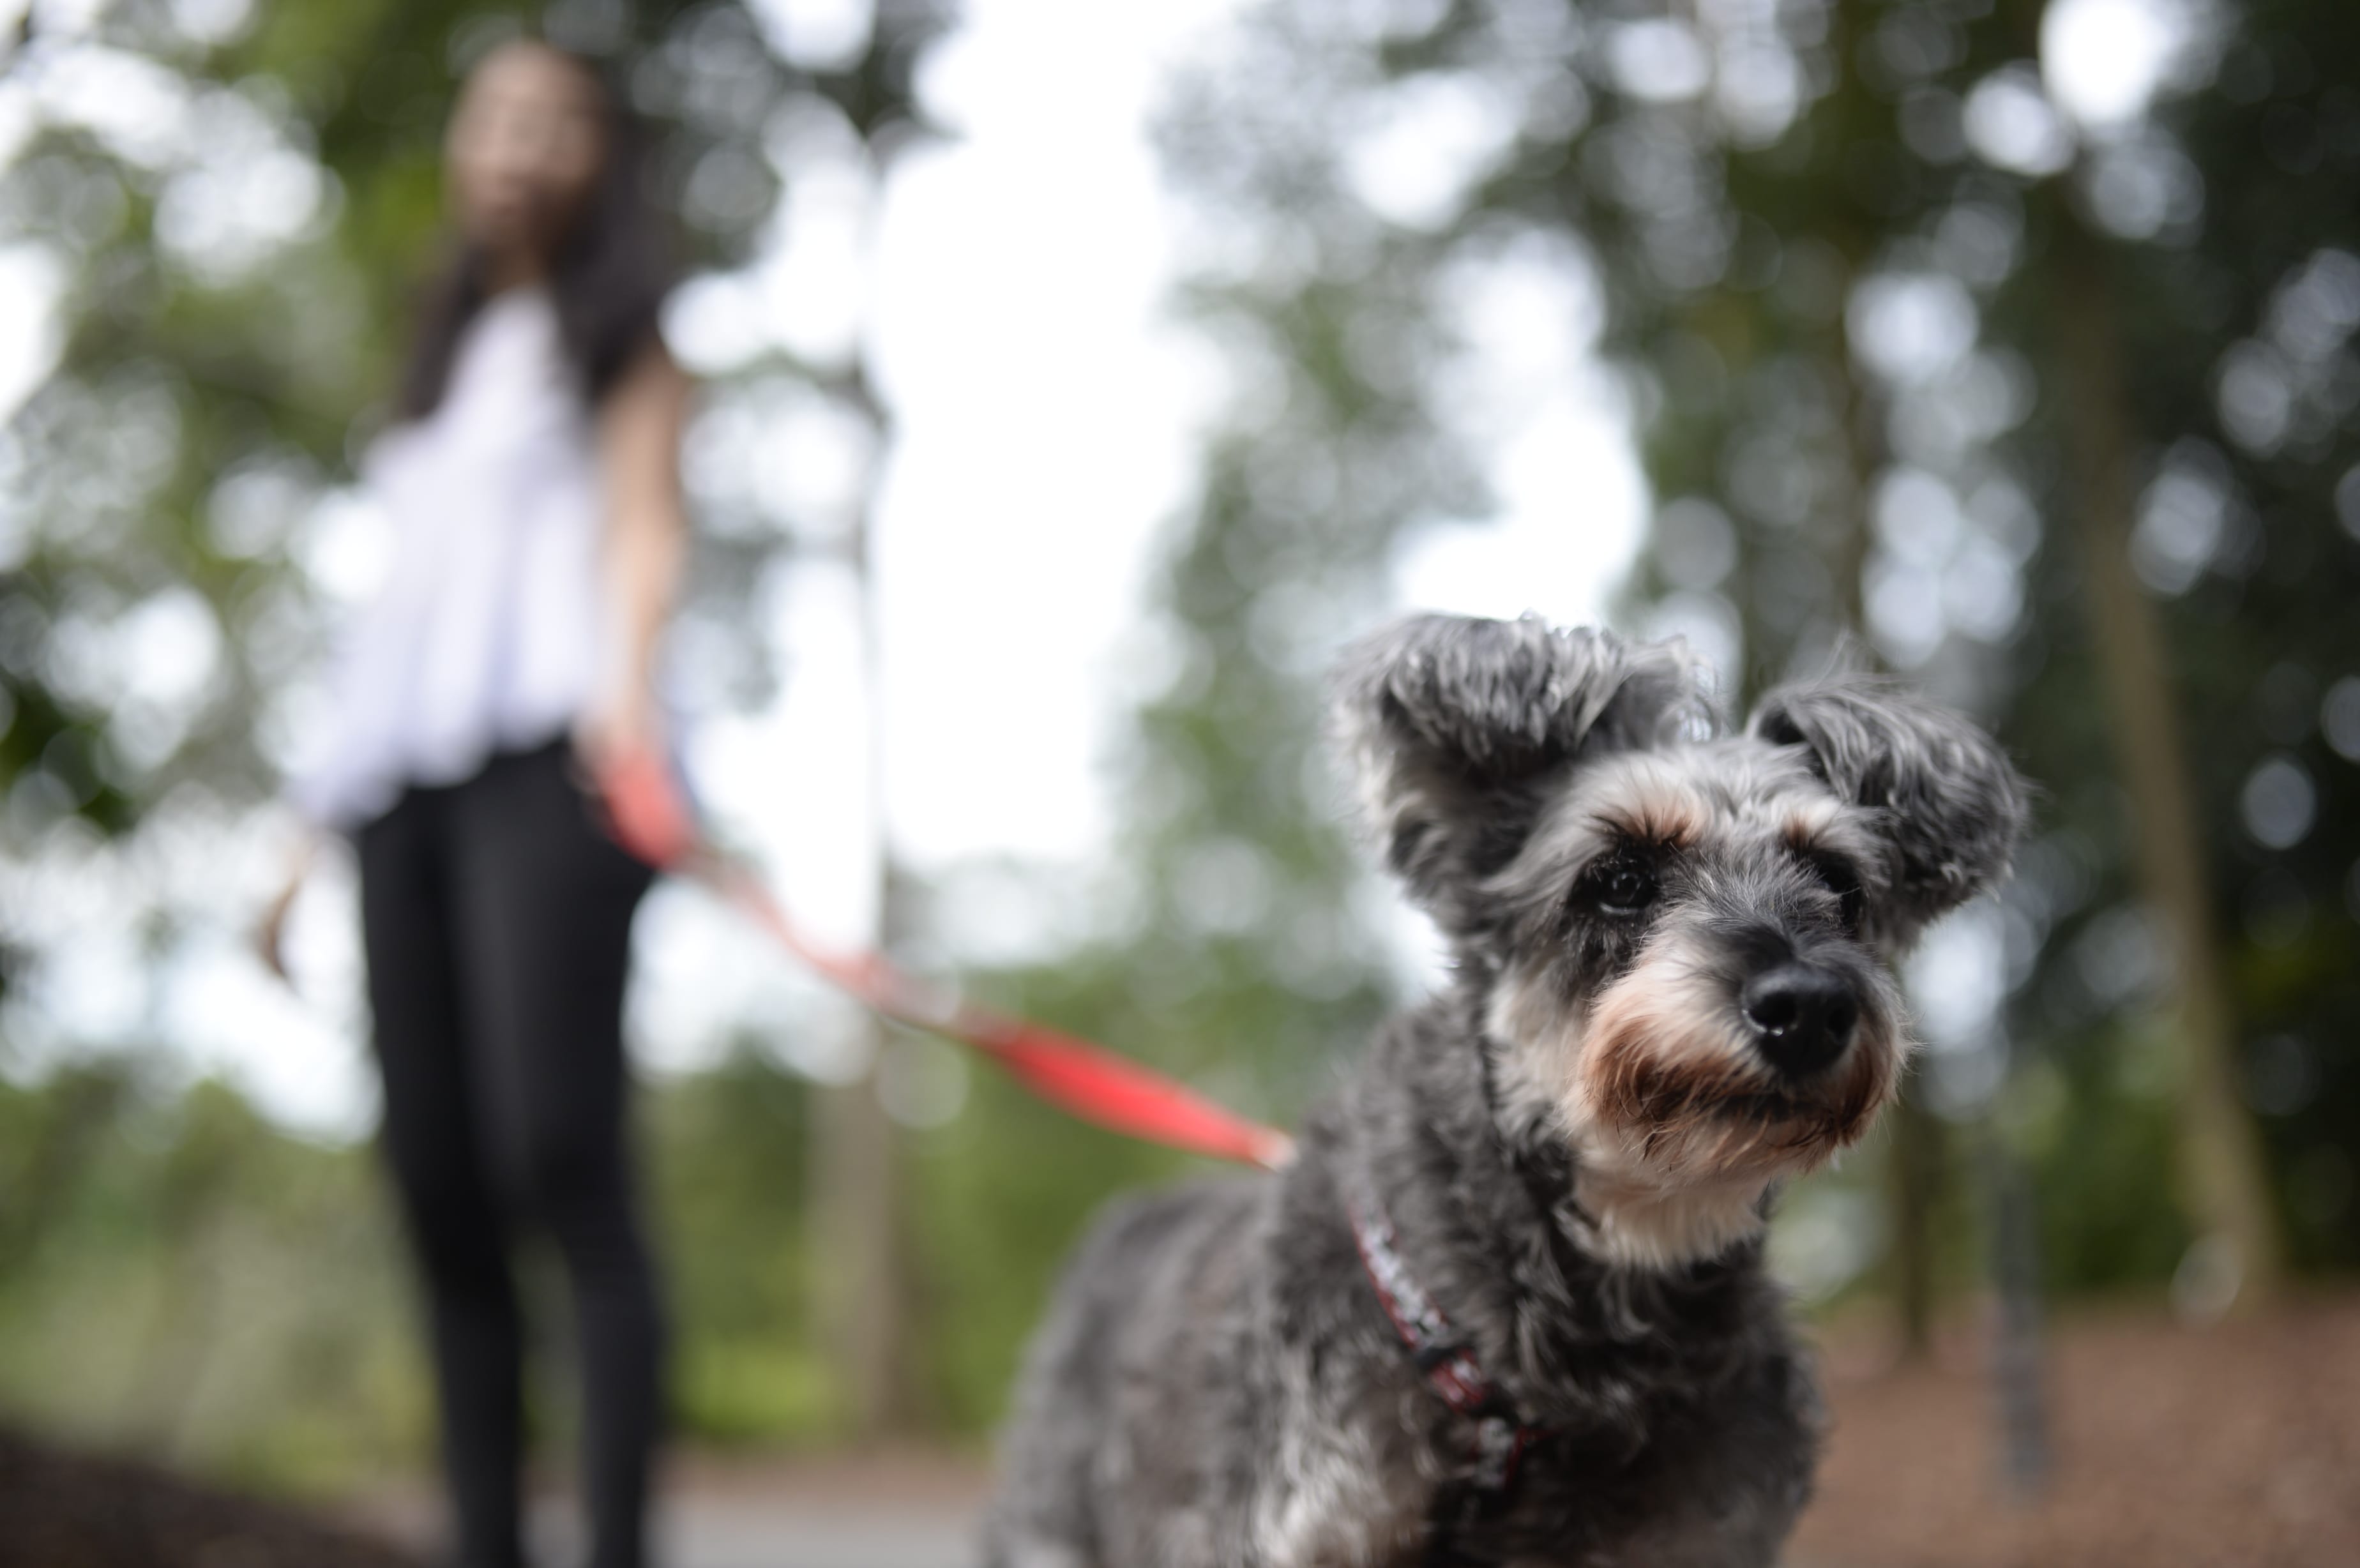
[607, 279]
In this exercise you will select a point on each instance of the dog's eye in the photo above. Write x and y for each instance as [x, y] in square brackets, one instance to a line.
[1623, 886]
[1837, 876]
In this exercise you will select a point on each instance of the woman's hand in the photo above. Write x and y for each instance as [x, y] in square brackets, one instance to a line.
[630, 772]
[617, 728]
[270, 936]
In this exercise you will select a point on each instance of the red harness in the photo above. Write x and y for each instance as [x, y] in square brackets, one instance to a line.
[1502, 1434]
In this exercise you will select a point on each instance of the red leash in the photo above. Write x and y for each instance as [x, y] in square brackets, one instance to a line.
[649, 816]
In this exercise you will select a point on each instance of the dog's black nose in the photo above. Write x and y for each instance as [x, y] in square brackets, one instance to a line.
[1802, 1017]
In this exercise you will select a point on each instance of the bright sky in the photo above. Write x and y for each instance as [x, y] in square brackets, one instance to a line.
[1048, 411]
[1011, 289]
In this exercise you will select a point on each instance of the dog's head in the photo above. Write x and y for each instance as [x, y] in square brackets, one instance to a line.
[1684, 936]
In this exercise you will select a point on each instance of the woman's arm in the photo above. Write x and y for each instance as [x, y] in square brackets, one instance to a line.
[638, 454]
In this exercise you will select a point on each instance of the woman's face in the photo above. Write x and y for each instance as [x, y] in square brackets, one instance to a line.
[525, 148]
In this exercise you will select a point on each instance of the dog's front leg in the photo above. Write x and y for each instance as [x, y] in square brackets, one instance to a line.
[1334, 1494]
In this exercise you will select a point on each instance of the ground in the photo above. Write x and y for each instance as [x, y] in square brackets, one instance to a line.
[80, 1512]
[2232, 1447]
[2237, 1444]
[895, 1510]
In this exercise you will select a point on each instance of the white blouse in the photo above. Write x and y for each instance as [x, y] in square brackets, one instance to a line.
[491, 629]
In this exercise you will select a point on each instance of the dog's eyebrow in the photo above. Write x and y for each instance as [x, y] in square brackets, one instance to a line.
[1805, 830]
[1816, 841]
[1668, 822]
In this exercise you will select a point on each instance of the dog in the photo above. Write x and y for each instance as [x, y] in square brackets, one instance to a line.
[1508, 1304]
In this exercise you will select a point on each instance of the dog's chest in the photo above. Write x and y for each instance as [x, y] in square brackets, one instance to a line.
[1363, 1525]
[1348, 1521]
[1340, 1519]
[1335, 1495]
[1715, 1485]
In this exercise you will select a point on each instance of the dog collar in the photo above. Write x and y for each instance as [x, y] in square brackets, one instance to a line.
[1446, 1357]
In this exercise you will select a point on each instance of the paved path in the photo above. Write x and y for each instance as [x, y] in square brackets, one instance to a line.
[864, 1528]
[746, 1534]
[850, 1513]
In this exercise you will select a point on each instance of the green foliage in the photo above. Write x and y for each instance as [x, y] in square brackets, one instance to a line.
[176, 1273]
[220, 368]
[997, 1199]
[2098, 1124]
[1741, 230]
[728, 1157]
[183, 1277]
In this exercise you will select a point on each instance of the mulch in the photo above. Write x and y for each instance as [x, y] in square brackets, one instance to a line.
[60, 1510]
[2235, 1445]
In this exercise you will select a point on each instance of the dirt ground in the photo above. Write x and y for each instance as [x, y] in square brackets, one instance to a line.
[82, 1512]
[2232, 1446]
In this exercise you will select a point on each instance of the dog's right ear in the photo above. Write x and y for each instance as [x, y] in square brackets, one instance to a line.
[1455, 728]
[1943, 792]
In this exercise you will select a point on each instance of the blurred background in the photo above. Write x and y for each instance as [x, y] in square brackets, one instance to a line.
[1078, 377]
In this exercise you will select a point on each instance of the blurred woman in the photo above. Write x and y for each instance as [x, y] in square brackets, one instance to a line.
[533, 486]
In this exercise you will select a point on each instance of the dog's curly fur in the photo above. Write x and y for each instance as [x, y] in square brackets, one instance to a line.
[1575, 1143]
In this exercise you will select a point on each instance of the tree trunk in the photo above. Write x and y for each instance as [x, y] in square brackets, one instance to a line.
[1918, 1155]
[2223, 1180]
[858, 1256]
[2022, 1396]
[1917, 1152]
[860, 1263]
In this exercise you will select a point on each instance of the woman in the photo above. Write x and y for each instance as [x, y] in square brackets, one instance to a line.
[532, 482]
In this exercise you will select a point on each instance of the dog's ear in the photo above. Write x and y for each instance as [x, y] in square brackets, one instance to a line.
[1455, 728]
[1950, 803]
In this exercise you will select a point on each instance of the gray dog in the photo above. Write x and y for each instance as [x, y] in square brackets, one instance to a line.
[1509, 1305]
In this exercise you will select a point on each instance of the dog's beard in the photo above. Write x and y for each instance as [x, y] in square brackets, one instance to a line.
[1677, 1125]
[1667, 1068]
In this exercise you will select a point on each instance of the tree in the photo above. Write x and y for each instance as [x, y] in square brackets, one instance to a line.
[1853, 261]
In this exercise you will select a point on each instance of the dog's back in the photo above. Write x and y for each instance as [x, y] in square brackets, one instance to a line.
[1112, 1399]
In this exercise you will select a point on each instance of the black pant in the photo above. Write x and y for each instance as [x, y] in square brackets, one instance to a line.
[496, 921]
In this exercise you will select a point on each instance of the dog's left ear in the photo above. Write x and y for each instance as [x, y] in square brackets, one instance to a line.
[1948, 801]
[1457, 726]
